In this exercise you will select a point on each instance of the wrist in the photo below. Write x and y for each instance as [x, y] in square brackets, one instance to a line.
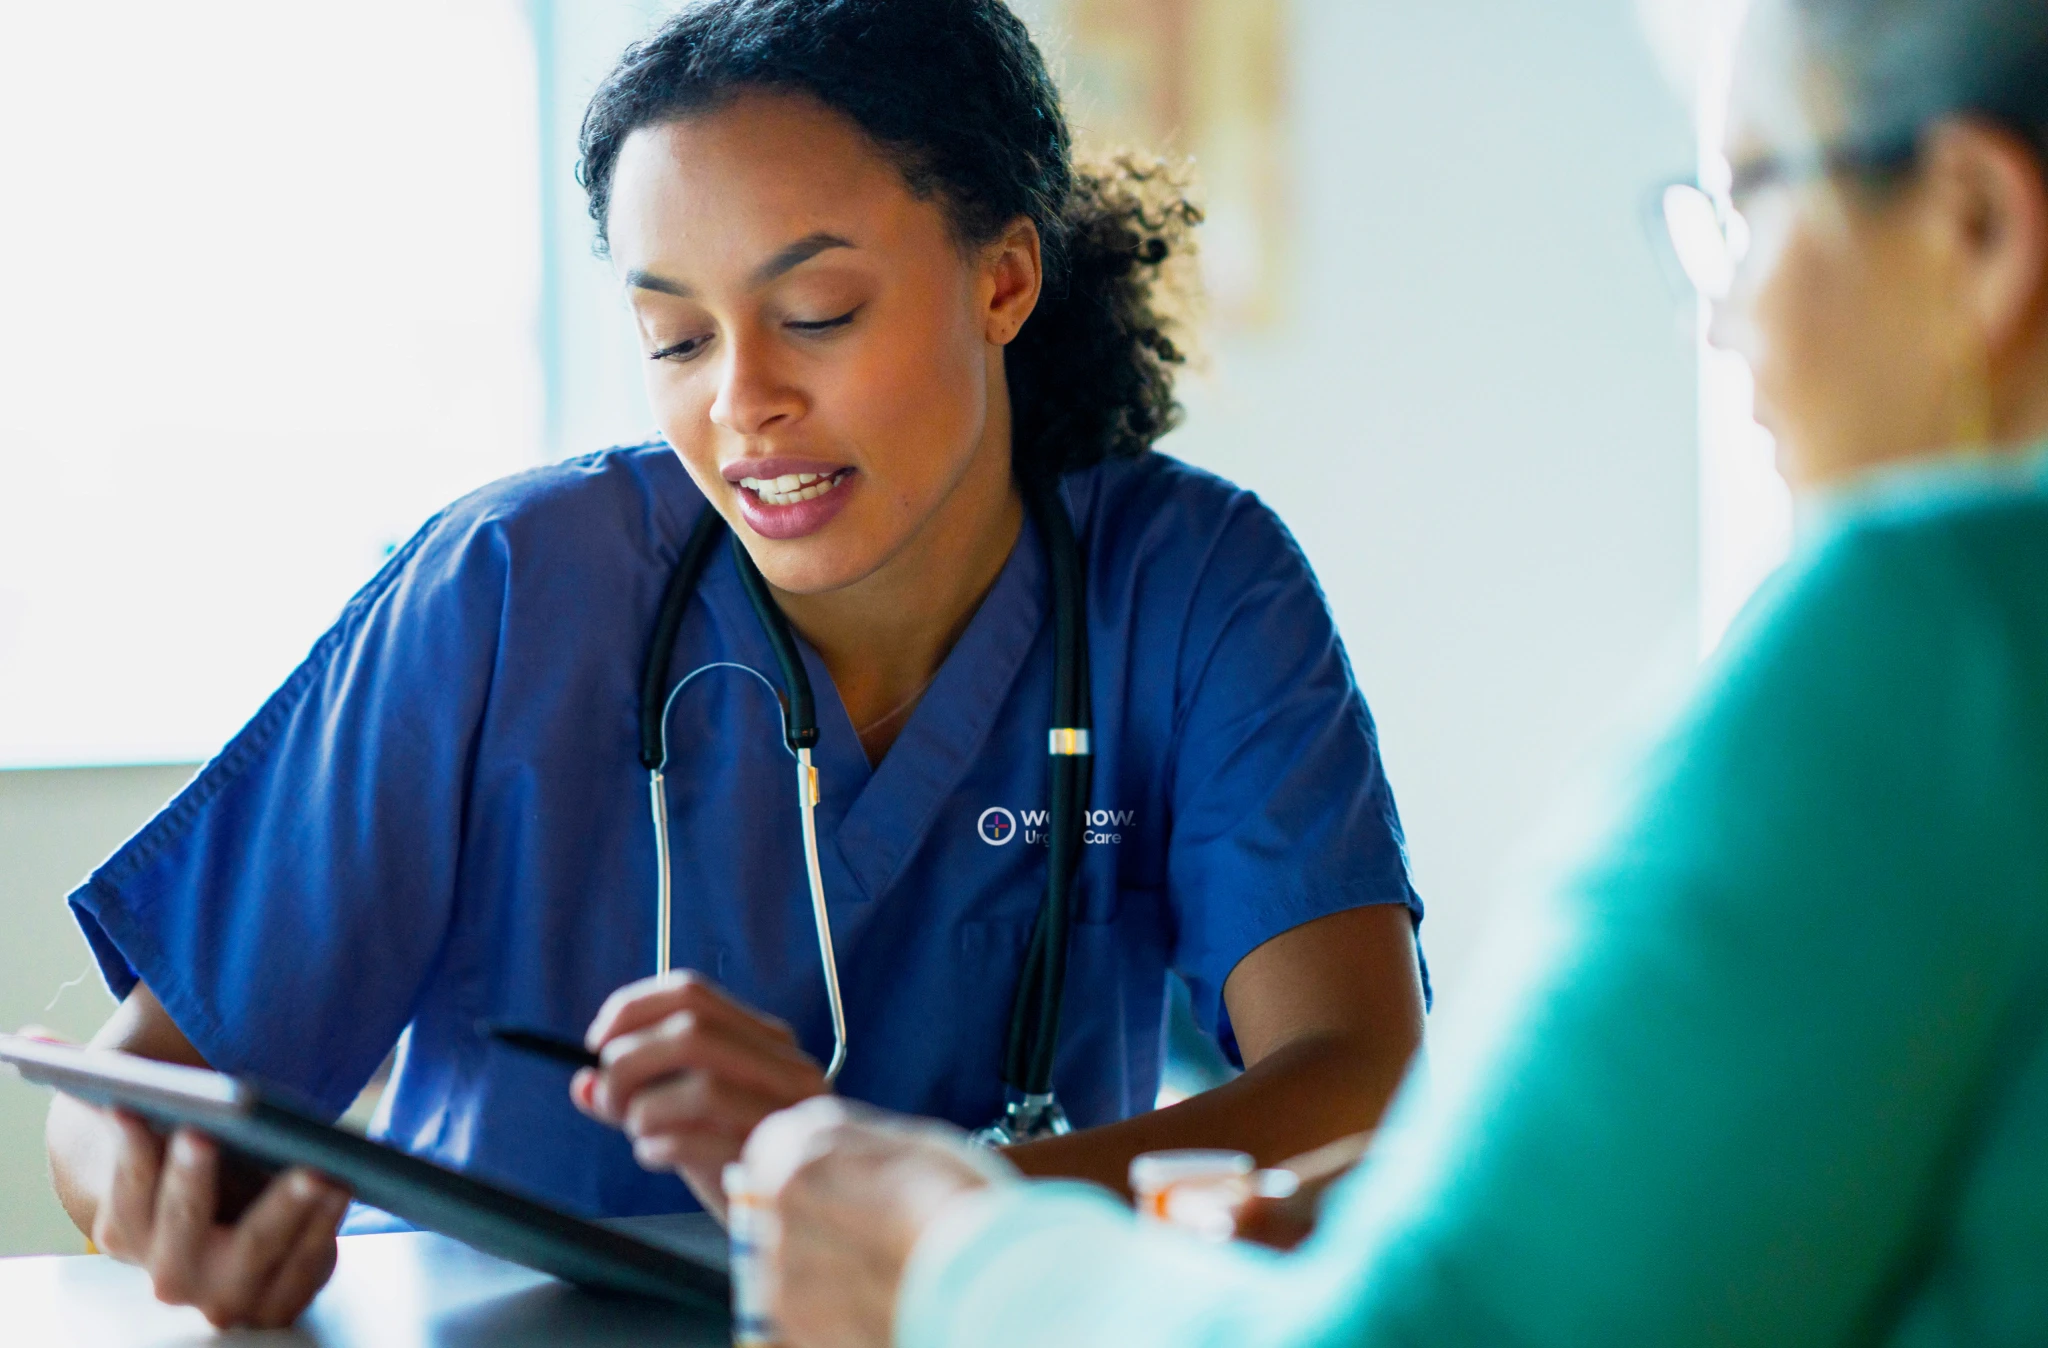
[952, 1228]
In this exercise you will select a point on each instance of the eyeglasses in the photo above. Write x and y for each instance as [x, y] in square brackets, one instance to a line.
[1709, 232]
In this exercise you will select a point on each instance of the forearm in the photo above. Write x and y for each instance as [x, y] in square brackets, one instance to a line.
[82, 1142]
[983, 1278]
[1299, 1097]
[81, 1148]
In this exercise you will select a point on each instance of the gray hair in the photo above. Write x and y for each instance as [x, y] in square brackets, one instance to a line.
[1902, 65]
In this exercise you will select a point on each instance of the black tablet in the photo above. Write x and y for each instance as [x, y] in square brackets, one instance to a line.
[274, 1134]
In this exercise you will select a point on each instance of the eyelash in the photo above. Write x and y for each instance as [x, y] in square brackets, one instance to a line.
[685, 350]
[827, 324]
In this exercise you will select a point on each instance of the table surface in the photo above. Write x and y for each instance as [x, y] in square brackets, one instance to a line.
[410, 1290]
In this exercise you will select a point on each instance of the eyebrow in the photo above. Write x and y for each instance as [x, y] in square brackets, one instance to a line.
[785, 261]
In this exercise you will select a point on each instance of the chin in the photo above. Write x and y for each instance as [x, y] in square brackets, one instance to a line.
[810, 566]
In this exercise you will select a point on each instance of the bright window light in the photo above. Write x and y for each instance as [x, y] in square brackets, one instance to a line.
[270, 275]
[1745, 506]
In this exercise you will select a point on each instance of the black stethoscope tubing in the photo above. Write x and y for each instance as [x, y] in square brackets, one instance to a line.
[1035, 1010]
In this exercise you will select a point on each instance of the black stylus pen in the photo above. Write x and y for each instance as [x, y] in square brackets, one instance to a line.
[566, 1051]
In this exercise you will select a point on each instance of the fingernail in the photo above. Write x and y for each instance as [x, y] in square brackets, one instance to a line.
[305, 1188]
[187, 1149]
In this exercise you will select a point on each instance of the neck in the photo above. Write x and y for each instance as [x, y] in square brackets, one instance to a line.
[884, 637]
[2021, 410]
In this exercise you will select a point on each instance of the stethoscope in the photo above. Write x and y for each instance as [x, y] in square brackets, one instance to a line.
[1030, 1107]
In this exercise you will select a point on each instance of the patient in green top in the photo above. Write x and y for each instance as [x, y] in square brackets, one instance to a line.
[1768, 1063]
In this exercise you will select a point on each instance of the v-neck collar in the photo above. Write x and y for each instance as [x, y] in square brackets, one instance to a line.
[888, 809]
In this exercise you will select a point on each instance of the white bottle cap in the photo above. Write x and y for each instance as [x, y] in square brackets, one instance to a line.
[1156, 1170]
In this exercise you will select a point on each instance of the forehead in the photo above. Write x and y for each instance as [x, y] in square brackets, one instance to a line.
[750, 174]
[1779, 100]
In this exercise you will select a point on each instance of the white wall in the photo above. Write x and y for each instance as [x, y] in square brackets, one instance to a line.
[55, 826]
[1478, 420]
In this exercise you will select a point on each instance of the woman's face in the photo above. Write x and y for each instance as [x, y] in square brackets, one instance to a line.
[1838, 306]
[821, 351]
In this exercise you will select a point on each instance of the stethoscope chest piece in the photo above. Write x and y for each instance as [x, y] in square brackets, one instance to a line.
[1025, 1118]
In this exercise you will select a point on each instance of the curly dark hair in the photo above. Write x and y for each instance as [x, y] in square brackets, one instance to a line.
[957, 95]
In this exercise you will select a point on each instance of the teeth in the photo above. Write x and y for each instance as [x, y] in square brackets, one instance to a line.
[790, 488]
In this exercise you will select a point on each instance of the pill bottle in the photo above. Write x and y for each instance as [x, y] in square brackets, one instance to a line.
[750, 1225]
[1197, 1191]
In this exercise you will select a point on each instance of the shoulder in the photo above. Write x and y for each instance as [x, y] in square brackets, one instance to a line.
[577, 526]
[1155, 516]
[637, 495]
[1125, 493]
[1937, 556]
[1982, 524]
[1201, 574]
[1909, 634]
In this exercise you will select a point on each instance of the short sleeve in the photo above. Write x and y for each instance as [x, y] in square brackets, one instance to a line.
[1282, 813]
[288, 906]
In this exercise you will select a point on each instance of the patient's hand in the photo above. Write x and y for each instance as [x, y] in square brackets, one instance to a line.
[853, 1188]
[687, 1074]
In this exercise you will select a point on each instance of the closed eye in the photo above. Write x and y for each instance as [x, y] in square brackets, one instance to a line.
[825, 324]
[682, 350]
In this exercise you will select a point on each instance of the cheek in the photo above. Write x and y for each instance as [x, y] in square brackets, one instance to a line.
[1843, 366]
[1784, 319]
[914, 399]
[1808, 330]
[682, 410]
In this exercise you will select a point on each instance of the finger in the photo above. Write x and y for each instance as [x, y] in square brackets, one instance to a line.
[126, 1217]
[306, 1268]
[249, 1262]
[641, 1004]
[685, 1042]
[641, 1001]
[581, 1088]
[705, 1003]
[1330, 1162]
[740, 1023]
[783, 1141]
[183, 1224]
[693, 1121]
[1281, 1223]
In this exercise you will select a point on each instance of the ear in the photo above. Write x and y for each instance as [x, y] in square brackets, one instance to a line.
[1012, 275]
[1991, 217]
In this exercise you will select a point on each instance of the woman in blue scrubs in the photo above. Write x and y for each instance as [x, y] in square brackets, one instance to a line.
[878, 304]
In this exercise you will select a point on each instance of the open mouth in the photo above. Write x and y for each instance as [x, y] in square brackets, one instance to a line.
[793, 488]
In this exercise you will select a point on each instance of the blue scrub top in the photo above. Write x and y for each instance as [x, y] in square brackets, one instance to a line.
[442, 818]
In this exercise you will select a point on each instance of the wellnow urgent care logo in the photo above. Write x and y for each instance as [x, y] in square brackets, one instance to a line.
[999, 827]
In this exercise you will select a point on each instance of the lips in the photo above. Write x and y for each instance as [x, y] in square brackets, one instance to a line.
[785, 498]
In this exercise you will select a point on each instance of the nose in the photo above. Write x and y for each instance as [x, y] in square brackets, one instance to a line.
[753, 395]
[1718, 321]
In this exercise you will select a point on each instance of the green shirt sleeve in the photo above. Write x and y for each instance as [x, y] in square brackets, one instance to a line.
[1720, 1074]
